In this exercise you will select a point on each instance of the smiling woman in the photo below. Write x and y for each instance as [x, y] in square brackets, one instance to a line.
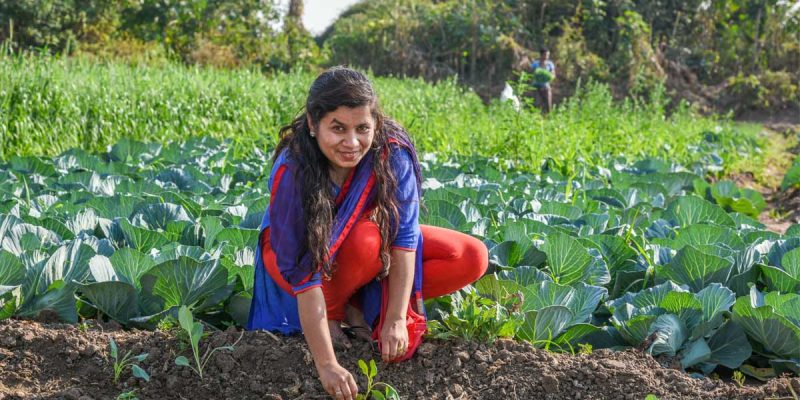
[341, 241]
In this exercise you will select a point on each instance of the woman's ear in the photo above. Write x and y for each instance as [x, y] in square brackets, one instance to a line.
[310, 124]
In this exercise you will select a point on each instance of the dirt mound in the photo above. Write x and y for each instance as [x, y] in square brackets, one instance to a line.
[61, 361]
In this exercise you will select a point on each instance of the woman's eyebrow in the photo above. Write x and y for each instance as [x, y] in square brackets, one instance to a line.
[336, 121]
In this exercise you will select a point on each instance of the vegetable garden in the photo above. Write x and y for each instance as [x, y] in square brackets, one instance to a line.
[645, 250]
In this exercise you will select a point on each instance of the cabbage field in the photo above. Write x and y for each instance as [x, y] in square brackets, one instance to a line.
[613, 256]
[617, 248]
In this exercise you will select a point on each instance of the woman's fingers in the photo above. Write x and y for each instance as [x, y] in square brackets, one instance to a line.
[339, 383]
[344, 392]
[353, 387]
[393, 348]
[389, 349]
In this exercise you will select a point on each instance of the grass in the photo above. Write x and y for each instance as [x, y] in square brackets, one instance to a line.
[771, 161]
[50, 104]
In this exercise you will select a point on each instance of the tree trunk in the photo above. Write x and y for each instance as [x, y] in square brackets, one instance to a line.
[295, 15]
[757, 37]
[473, 64]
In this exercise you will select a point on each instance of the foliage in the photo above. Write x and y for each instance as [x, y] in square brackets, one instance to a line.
[372, 392]
[675, 321]
[634, 59]
[769, 89]
[791, 180]
[127, 361]
[635, 45]
[217, 33]
[433, 40]
[541, 75]
[631, 45]
[472, 317]
[195, 332]
[739, 378]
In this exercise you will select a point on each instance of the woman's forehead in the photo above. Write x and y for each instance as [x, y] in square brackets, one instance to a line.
[349, 115]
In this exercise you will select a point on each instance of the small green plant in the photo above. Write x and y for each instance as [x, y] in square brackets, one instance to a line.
[127, 361]
[651, 397]
[473, 317]
[739, 378]
[372, 392]
[129, 395]
[195, 331]
[779, 214]
[83, 327]
[171, 325]
[584, 348]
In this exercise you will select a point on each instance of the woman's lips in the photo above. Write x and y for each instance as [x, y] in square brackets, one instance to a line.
[348, 155]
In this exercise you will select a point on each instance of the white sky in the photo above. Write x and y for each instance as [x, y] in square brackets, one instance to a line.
[319, 14]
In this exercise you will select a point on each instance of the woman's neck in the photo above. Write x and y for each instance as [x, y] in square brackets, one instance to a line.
[339, 175]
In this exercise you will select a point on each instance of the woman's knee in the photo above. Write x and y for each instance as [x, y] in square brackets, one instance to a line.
[363, 244]
[474, 259]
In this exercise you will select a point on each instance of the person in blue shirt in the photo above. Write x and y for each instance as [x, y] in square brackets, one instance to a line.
[341, 243]
[543, 93]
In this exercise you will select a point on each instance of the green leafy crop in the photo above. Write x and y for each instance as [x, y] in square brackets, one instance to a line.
[195, 332]
[127, 361]
[370, 372]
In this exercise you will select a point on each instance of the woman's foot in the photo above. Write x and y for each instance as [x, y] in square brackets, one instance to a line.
[338, 337]
[357, 325]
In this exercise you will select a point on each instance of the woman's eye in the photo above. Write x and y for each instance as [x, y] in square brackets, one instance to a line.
[338, 128]
[363, 129]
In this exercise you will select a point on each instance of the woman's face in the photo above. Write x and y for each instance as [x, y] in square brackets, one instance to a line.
[345, 135]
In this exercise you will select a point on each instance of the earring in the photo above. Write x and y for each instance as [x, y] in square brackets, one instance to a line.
[313, 134]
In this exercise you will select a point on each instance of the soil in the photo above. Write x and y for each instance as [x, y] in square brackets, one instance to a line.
[61, 361]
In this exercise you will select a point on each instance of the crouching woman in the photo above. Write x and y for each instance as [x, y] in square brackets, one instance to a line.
[341, 242]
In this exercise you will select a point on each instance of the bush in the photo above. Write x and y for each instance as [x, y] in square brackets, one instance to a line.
[770, 89]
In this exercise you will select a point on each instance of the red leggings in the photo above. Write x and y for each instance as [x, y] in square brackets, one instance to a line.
[450, 261]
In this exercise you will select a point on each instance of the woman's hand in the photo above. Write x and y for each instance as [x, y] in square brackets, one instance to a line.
[337, 381]
[394, 339]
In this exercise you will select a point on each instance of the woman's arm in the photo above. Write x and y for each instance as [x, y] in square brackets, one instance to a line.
[337, 381]
[394, 334]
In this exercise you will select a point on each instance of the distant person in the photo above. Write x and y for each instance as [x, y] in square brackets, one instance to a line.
[341, 241]
[544, 71]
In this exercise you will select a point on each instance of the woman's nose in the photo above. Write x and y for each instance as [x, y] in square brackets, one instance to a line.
[350, 139]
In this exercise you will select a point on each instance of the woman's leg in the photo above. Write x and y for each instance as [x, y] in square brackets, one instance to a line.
[357, 263]
[450, 260]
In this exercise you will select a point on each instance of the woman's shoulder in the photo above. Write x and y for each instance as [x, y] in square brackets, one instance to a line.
[284, 166]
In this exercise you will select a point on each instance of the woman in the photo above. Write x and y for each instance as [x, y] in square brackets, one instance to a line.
[341, 241]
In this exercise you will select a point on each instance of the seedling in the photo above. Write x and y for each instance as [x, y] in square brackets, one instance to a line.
[372, 392]
[129, 395]
[195, 331]
[584, 348]
[127, 361]
[739, 378]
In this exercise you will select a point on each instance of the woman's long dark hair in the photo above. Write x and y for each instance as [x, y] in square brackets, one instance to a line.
[334, 88]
